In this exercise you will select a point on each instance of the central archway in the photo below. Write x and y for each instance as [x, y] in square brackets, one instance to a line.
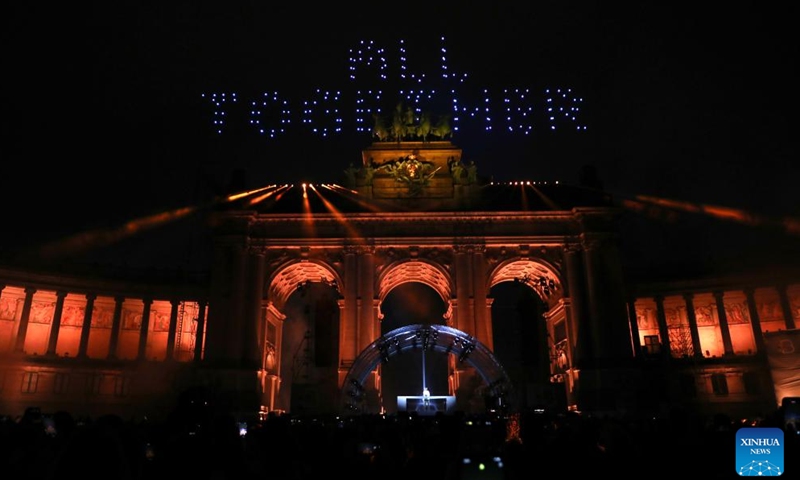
[437, 338]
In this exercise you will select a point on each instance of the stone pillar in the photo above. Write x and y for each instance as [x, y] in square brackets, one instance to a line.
[595, 315]
[606, 293]
[755, 321]
[605, 382]
[52, 341]
[115, 327]
[483, 323]
[173, 325]
[224, 325]
[723, 323]
[636, 343]
[200, 332]
[366, 293]
[348, 312]
[87, 324]
[344, 362]
[578, 332]
[22, 329]
[691, 316]
[377, 317]
[663, 329]
[487, 318]
[786, 307]
[236, 308]
[253, 322]
[272, 387]
[465, 321]
[465, 376]
[271, 397]
[144, 329]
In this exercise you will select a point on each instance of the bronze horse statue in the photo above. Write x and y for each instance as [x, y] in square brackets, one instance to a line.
[403, 126]
[442, 128]
[380, 130]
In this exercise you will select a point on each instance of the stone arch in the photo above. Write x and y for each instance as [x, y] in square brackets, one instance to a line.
[289, 277]
[438, 338]
[415, 270]
[537, 274]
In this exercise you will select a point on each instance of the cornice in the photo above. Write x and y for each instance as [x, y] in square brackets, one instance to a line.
[154, 285]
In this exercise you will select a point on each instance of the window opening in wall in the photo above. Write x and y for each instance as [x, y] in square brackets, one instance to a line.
[60, 383]
[651, 345]
[719, 384]
[30, 382]
[95, 381]
[122, 386]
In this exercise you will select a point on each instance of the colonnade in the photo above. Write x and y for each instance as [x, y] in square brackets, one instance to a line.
[782, 318]
[19, 339]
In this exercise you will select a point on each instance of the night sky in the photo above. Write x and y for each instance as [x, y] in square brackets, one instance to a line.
[104, 118]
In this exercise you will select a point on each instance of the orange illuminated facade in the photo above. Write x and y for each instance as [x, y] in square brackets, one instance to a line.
[296, 315]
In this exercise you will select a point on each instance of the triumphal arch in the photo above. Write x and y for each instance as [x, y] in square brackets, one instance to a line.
[415, 212]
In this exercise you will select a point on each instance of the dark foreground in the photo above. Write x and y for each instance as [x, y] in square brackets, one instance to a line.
[528, 445]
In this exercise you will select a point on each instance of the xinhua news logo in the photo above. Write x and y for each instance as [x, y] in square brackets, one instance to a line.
[759, 452]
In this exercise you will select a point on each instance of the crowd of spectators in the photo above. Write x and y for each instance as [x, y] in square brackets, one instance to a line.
[188, 445]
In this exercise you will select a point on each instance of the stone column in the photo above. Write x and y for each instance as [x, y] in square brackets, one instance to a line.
[348, 312]
[636, 343]
[223, 344]
[344, 361]
[366, 293]
[200, 332]
[663, 328]
[465, 376]
[87, 324]
[464, 320]
[377, 317]
[236, 308]
[144, 330]
[173, 325]
[52, 341]
[272, 385]
[786, 307]
[595, 315]
[253, 322]
[487, 318]
[578, 331]
[691, 316]
[606, 293]
[483, 323]
[22, 329]
[755, 321]
[115, 326]
[723, 323]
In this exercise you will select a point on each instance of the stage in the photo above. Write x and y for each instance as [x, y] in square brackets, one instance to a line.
[434, 404]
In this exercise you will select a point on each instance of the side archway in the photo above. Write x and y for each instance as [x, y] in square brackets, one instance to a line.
[437, 338]
[415, 271]
[292, 276]
[527, 306]
[543, 278]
